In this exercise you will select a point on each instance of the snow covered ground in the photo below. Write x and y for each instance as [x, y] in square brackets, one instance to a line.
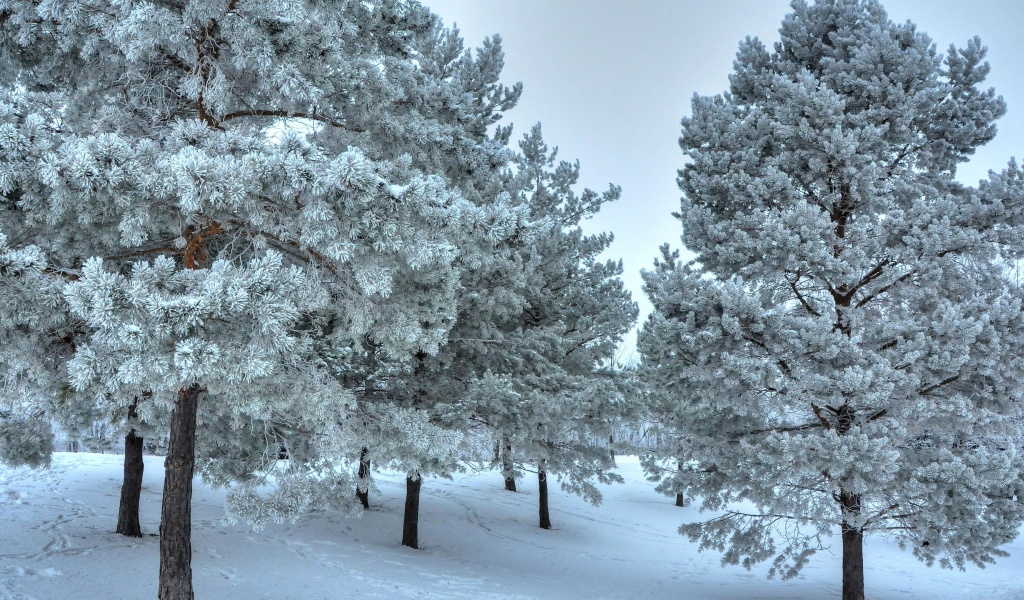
[57, 541]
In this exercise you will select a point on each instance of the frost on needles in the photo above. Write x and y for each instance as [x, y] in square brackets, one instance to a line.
[844, 352]
[224, 214]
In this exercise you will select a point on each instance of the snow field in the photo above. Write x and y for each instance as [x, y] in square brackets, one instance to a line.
[478, 541]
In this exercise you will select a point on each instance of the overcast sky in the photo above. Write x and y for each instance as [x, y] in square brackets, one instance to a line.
[610, 79]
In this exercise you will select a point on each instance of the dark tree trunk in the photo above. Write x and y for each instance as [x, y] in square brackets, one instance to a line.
[507, 466]
[131, 487]
[176, 510]
[680, 500]
[363, 487]
[411, 522]
[611, 447]
[542, 481]
[853, 550]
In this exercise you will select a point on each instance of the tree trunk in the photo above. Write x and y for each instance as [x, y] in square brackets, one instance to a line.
[411, 522]
[853, 550]
[131, 487]
[507, 467]
[176, 510]
[680, 500]
[542, 481]
[363, 487]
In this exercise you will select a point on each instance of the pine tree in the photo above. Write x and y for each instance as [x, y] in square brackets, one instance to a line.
[844, 352]
[220, 188]
[576, 315]
[41, 334]
[456, 107]
[35, 333]
[535, 341]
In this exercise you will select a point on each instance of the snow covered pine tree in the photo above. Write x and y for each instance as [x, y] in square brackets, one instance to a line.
[442, 108]
[40, 332]
[26, 362]
[466, 99]
[208, 149]
[845, 351]
[543, 379]
[34, 326]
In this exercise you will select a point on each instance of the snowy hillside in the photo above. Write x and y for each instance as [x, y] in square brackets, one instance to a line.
[479, 542]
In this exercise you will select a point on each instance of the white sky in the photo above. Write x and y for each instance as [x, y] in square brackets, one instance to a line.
[610, 79]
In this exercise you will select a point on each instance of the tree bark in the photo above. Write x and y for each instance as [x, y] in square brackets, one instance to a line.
[542, 481]
[853, 550]
[680, 500]
[507, 467]
[131, 487]
[176, 510]
[363, 487]
[611, 447]
[411, 521]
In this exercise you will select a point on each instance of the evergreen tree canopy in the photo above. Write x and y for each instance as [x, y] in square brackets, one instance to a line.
[536, 339]
[224, 187]
[845, 350]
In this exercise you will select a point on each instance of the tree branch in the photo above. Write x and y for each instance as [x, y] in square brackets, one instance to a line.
[885, 288]
[821, 417]
[783, 365]
[878, 415]
[287, 114]
[931, 388]
[790, 429]
[800, 297]
[62, 273]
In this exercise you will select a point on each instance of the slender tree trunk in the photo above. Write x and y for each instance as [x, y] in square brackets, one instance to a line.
[507, 467]
[363, 487]
[176, 510]
[542, 481]
[853, 550]
[680, 500]
[411, 522]
[853, 535]
[131, 487]
[611, 447]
